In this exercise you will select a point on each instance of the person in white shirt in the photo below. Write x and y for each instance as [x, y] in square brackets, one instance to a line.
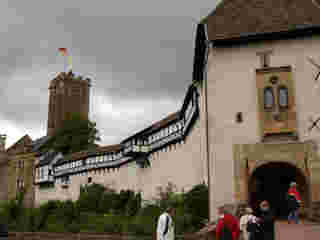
[165, 228]
[248, 216]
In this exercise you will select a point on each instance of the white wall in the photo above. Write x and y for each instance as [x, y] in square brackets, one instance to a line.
[232, 89]
[182, 165]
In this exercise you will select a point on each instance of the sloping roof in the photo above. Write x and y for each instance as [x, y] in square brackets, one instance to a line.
[38, 143]
[240, 18]
[19, 145]
[97, 151]
[163, 122]
[155, 126]
[48, 158]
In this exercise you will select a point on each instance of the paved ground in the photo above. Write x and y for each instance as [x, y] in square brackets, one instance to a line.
[301, 231]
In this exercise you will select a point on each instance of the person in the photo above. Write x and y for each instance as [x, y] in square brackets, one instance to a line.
[267, 221]
[165, 227]
[228, 226]
[294, 201]
[246, 219]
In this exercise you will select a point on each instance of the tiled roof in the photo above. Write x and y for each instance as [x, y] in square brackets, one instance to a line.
[25, 141]
[97, 151]
[39, 143]
[48, 158]
[157, 125]
[163, 122]
[240, 18]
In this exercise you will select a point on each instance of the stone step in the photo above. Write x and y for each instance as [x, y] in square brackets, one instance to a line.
[303, 230]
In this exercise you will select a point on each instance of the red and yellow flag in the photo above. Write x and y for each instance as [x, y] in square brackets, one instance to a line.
[64, 52]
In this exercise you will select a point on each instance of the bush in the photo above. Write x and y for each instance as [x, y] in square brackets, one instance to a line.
[196, 203]
[100, 209]
[90, 197]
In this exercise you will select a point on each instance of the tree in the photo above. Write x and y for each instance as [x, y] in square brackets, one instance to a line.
[76, 134]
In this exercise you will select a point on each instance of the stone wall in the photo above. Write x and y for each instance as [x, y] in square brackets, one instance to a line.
[232, 88]
[180, 164]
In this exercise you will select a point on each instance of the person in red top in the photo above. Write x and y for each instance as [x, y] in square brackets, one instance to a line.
[229, 221]
[294, 213]
[293, 191]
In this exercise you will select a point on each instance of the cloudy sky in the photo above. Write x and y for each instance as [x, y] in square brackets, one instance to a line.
[138, 54]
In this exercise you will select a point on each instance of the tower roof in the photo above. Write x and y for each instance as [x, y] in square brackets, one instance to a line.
[243, 18]
[63, 76]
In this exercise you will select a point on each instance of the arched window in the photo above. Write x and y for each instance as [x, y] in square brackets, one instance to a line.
[283, 97]
[268, 98]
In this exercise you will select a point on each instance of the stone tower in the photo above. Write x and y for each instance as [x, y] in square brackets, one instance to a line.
[68, 94]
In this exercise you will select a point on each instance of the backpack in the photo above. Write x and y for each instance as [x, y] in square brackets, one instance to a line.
[167, 226]
[253, 227]
[226, 233]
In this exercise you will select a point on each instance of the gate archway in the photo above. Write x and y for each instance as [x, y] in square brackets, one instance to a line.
[271, 182]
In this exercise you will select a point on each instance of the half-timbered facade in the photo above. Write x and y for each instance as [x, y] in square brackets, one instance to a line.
[60, 177]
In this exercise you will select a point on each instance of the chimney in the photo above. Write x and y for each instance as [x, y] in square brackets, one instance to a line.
[3, 138]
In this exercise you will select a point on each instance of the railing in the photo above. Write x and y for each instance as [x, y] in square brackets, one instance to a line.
[91, 166]
[134, 149]
[165, 140]
[44, 180]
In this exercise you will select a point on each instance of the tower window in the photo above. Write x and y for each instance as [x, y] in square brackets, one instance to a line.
[283, 97]
[239, 118]
[268, 98]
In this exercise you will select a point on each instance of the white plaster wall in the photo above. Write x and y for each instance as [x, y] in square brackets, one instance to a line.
[182, 165]
[232, 89]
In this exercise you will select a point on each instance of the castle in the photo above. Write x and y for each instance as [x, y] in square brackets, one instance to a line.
[247, 126]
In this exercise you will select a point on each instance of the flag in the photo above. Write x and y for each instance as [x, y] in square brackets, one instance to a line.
[63, 51]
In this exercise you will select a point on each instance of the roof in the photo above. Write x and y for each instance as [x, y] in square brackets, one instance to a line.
[69, 76]
[19, 145]
[84, 154]
[243, 18]
[48, 158]
[38, 143]
[187, 97]
[165, 121]
[157, 125]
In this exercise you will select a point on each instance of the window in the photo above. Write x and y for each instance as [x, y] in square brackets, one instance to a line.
[268, 98]
[283, 97]
[239, 118]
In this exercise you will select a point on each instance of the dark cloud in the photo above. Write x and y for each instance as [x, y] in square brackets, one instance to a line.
[138, 54]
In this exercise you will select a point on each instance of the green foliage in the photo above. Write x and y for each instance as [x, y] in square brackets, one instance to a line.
[76, 134]
[101, 209]
[197, 202]
[91, 197]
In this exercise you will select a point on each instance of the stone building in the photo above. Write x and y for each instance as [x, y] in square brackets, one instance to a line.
[67, 94]
[20, 167]
[262, 101]
[247, 125]
[3, 169]
[142, 162]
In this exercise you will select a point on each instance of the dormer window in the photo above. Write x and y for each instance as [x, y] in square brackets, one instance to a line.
[268, 98]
